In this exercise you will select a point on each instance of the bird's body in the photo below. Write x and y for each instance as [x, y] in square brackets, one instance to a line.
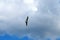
[27, 20]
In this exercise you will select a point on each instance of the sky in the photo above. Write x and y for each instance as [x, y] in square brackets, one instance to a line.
[44, 19]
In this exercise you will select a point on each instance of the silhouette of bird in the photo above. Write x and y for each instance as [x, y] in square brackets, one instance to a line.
[27, 20]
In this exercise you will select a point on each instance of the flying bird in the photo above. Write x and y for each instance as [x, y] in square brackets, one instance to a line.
[27, 20]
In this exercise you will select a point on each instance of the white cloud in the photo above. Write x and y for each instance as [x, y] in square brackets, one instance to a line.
[12, 13]
[44, 22]
[28, 1]
[31, 4]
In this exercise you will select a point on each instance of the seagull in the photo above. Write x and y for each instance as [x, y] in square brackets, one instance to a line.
[27, 20]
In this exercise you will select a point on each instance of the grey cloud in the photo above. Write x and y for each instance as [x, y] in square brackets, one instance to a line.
[42, 23]
[46, 19]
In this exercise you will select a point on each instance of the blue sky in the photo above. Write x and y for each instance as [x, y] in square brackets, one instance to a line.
[44, 19]
[8, 37]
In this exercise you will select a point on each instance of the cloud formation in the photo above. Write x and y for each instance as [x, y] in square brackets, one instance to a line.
[44, 18]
